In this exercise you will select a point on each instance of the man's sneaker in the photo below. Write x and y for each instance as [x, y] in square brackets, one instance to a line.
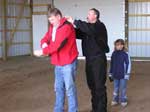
[113, 103]
[124, 104]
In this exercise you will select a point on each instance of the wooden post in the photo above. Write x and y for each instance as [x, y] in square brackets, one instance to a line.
[126, 23]
[53, 5]
[4, 33]
[31, 27]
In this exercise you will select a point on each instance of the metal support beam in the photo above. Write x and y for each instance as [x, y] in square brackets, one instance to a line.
[126, 23]
[53, 4]
[4, 26]
[31, 27]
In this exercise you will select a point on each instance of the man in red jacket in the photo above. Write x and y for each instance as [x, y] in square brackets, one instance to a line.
[60, 43]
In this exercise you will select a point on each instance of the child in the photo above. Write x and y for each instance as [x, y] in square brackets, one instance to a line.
[120, 68]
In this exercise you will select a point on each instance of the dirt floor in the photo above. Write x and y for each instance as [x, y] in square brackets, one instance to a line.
[26, 85]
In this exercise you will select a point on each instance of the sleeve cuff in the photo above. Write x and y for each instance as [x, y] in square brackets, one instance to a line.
[127, 77]
[110, 75]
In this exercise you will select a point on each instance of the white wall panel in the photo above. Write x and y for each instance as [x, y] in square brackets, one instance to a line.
[112, 14]
[40, 24]
[42, 1]
[40, 27]
[139, 33]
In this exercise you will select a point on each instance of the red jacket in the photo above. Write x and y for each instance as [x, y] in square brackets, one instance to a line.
[63, 50]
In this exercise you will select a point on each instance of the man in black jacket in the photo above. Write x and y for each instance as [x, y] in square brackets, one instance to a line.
[94, 44]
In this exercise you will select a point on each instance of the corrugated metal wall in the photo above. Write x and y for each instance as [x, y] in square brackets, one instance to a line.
[18, 27]
[139, 23]
[0, 28]
[21, 44]
[139, 28]
[112, 14]
[39, 5]
[40, 23]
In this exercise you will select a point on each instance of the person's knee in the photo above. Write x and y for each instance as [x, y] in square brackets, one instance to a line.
[59, 88]
[100, 87]
[70, 90]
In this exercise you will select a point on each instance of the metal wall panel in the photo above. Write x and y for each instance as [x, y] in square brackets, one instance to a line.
[112, 14]
[40, 5]
[18, 22]
[20, 44]
[17, 50]
[42, 1]
[139, 29]
[0, 29]
[40, 27]
[40, 23]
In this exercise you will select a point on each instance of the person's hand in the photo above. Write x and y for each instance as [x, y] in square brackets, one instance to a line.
[111, 78]
[127, 76]
[38, 52]
[44, 45]
[70, 19]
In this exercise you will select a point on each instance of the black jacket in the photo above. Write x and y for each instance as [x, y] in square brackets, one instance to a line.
[93, 36]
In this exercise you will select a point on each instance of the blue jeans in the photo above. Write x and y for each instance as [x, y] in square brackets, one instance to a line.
[120, 88]
[65, 83]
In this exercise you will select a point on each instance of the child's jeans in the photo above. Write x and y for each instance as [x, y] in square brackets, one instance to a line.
[65, 83]
[120, 87]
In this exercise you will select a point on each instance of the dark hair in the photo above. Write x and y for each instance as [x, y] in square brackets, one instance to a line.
[96, 12]
[122, 42]
[54, 12]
